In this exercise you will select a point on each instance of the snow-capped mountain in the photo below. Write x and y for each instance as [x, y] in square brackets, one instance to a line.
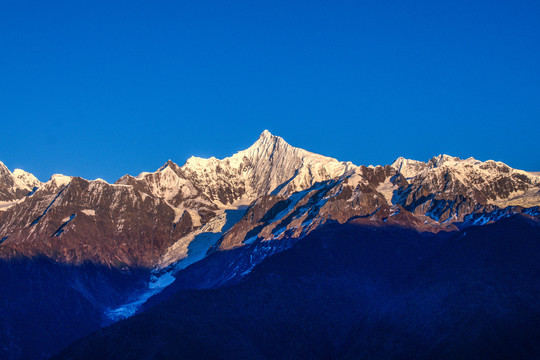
[150, 220]
[210, 221]
[202, 187]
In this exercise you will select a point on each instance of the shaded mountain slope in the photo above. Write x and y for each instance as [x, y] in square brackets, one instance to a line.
[355, 291]
[44, 305]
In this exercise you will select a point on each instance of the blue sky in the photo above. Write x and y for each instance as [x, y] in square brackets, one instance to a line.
[100, 88]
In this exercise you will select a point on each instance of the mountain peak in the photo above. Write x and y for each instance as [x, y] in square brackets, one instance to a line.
[266, 138]
[168, 164]
[26, 179]
[265, 146]
[407, 167]
[4, 169]
[60, 180]
[441, 159]
[266, 134]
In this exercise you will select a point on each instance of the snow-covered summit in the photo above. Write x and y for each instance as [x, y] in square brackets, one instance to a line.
[26, 179]
[271, 161]
[301, 188]
[14, 186]
[60, 179]
[407, 167]
[410, 168]
[269, 165]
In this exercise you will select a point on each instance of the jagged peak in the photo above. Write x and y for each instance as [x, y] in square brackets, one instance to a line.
[18, 179]
[195, 162]
[267, 140]
[169, 164]
[411, 166]
[60, 179]
[26, 179]
[269, 145]
[4, 169]
[402, 161]
[408, 167]
[266, 134]
[441, 159]
[443, 162]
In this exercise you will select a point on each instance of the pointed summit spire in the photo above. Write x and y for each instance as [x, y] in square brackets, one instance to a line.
[269, 143]
[267, 135]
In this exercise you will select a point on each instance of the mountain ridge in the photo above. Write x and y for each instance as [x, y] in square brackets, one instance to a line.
[308, 189]
[210, 222]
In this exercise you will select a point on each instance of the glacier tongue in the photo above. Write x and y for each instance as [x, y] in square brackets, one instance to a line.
[186, 251]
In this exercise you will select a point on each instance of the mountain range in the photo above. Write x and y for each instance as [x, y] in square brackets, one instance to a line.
[84, 254]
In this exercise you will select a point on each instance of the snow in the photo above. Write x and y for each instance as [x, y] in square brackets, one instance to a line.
[394, 210]
[142, 175]
[25, 180]
[387, 189]
[60, 180]
[197, 249]
[65, 221]
[473, 174]
[194, 246]
[408, 168]
[161, 281]
[267, 164]
[4, 205]
[158, 282]
[89, 212]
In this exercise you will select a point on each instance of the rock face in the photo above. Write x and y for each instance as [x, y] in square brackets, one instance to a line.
[72, 220]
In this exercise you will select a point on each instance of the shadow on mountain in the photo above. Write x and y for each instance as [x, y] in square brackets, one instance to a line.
[355, 291]
[46, 305]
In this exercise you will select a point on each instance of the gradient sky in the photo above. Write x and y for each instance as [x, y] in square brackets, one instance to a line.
[106, 88]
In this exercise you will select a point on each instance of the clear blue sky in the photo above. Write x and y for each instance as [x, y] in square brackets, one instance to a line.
[104, 88]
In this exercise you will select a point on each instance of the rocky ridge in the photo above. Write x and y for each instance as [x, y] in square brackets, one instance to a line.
[150, 220]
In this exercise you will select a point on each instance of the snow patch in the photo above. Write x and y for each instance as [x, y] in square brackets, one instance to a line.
[89, 212]
[387, 190]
